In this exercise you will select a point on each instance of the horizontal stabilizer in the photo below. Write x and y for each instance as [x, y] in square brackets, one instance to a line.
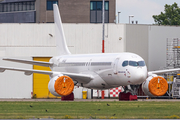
[40, 63]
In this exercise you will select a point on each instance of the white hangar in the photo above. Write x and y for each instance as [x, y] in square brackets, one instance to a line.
[37, 41]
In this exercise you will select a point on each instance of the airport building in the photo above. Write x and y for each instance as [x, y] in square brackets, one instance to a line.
[41, 11]
[35, 40]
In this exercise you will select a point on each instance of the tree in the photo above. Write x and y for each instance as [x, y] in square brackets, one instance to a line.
[171, 16]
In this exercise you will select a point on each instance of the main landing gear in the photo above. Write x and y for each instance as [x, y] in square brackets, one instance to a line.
[68, 97]
[130, 93]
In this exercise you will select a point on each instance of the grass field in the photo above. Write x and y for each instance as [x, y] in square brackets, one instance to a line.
[96, 110]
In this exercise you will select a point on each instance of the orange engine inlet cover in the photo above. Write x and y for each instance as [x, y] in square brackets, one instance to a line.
[64, 85]
[158, 86]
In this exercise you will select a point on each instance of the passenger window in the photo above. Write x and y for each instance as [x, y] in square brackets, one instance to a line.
[125, 63]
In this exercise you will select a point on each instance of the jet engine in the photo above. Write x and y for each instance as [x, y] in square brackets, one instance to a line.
[155, 86]
[61, 85]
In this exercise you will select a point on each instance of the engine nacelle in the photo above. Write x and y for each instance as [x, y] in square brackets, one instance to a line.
[155, 86]
[61, 85]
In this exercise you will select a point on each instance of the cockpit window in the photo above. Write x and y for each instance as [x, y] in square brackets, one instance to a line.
[133, 63]
[125, 63]
[141, 63]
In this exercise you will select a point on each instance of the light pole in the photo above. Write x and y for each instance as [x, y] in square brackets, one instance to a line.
[103, 27]
[102, 92]
[118, 16]
[130, 17]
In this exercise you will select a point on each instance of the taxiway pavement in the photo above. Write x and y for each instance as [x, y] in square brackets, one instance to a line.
[58, 100]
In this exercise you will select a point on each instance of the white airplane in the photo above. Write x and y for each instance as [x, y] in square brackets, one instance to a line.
[95, 71]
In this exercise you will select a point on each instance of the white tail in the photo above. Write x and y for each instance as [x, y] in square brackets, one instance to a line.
[60, 37]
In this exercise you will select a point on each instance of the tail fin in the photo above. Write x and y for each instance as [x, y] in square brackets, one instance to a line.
[60, 37]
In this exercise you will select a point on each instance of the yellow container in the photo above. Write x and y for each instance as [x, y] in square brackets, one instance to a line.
[84, 94]
[170, 78]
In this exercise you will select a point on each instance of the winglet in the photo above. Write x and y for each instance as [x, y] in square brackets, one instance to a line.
[60, 37]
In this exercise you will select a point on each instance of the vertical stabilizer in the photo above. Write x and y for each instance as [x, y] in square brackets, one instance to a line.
[60, 37]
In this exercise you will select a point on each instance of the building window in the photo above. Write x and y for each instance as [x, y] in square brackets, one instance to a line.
[12, 7]
[96, 11]
[32, 5]
[5, 7]
[1, 7]
[8, 7]
[50, 4]
[99, 5]
[28, 5]
[106, 6]
[17, 6]
[20, 6]
[24, 6]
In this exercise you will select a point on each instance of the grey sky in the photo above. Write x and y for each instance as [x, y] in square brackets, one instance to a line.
[141, 9]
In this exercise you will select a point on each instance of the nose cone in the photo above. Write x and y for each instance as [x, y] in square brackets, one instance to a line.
[140, 76]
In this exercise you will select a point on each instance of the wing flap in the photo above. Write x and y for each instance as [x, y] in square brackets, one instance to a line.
[40, 63]
[26, 71]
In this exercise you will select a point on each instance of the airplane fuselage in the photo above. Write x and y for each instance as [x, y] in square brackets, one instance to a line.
[109, 70]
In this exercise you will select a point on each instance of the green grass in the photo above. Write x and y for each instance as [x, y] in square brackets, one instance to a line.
[77, 110]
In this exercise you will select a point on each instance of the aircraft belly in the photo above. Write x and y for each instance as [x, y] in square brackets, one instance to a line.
[97, 83]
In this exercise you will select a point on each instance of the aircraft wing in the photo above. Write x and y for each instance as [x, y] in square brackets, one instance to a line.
[46, 64]
[159, 72]
[26, 71]
[81, 78]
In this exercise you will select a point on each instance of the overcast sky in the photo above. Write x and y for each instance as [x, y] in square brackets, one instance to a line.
[141, 9]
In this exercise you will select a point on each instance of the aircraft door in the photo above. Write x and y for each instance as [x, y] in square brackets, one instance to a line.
[88, 64]
[115, 66]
